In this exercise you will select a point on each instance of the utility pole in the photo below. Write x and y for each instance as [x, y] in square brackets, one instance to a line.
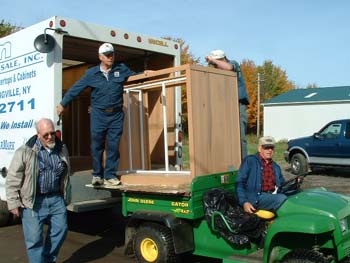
[258, 107]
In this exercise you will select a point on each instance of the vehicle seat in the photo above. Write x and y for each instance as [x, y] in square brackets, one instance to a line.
[265, 214]
[227, 218]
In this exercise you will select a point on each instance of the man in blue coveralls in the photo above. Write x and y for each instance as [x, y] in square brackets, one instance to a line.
[217, 58]
[106, 81]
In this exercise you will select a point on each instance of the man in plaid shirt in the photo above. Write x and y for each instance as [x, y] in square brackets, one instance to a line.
[259, 179]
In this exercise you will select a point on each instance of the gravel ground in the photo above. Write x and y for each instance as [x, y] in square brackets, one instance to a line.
[335, 180]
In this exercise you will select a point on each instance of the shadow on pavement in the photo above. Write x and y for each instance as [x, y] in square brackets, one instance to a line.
[108, 224]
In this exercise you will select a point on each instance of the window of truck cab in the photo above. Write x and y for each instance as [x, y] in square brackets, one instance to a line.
[332, 131]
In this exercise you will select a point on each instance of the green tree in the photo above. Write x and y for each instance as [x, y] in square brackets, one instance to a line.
[6, 28]
[274, 81]
[250, 73]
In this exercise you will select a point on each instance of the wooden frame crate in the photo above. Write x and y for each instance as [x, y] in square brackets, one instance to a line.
[213, 121]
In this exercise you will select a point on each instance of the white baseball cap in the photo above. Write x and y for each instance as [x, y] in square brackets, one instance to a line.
[217, 54]
[106, 48]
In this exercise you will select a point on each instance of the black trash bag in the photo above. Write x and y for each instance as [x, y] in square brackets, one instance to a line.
[246, 227]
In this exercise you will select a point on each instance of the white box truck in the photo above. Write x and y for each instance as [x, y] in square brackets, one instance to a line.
[39, 64]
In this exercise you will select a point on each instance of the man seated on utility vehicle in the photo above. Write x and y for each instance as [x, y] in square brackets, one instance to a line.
[259, 179]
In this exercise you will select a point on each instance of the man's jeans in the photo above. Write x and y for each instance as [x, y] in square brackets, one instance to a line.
[269, 201]
[50, 210]
[105, 127]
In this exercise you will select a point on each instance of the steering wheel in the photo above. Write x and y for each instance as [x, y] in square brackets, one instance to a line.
[292, 185]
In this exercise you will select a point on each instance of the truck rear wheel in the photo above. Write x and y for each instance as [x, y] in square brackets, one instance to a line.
[154, 243]
[4, 213]
[299, 164]
[304, 256]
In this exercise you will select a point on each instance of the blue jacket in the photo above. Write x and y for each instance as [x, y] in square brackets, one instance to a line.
[249, 179]
[104, 93]
[242, 89]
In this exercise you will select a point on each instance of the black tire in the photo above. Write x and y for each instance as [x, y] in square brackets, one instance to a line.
[4, 214]
[304, 256]
[154, 243]
[299, 164]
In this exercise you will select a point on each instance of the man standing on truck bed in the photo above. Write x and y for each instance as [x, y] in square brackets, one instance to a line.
[259, 179]
[106, 81]
[217, 58]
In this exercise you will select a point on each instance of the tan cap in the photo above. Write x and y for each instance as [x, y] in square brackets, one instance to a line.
[267, 141]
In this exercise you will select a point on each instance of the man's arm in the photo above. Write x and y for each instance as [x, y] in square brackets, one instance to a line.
[278, 173]
[221, 64]
[74, 91]
[249, 208]
[241, 182]
[13, 182]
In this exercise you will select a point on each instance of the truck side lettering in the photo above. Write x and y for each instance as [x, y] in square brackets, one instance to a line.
[141, 201]
[181, 211]
[7, 145]
[12, 106]
[157, 42]
[179, 204]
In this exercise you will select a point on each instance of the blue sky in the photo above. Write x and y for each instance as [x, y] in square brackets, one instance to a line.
[307, 39]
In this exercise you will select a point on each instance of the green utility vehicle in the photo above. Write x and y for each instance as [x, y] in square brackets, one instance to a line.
[311, 226]
[165, 208]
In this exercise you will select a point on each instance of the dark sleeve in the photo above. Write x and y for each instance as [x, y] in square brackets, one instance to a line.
[241, 181]
[127, 72]
[279, 174]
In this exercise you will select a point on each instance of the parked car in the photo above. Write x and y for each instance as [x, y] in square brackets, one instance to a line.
[330, 147]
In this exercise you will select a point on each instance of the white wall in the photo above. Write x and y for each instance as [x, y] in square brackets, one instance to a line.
[292, 121]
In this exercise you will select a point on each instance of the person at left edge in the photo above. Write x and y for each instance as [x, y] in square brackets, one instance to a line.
[38, 190]
[106, 81]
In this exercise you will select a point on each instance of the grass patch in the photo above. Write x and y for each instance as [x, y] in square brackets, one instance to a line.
[252, 141]
[280, 147]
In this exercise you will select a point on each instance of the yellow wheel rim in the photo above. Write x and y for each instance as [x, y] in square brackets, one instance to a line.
[149, 250]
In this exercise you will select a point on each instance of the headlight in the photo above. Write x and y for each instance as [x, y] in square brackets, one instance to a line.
[344, 225]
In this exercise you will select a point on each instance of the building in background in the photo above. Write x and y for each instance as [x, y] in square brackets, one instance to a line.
[301, 112]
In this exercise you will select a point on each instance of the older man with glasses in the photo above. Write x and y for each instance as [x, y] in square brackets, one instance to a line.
[38, 190]
[259, 179]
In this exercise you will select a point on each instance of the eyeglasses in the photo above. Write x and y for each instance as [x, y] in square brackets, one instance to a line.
[108, 55]
[268, 147]
[46, 135]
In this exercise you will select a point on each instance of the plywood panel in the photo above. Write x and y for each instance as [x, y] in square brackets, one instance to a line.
[76, 121]
[156, 128]
[214, 138]
[135, 138]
